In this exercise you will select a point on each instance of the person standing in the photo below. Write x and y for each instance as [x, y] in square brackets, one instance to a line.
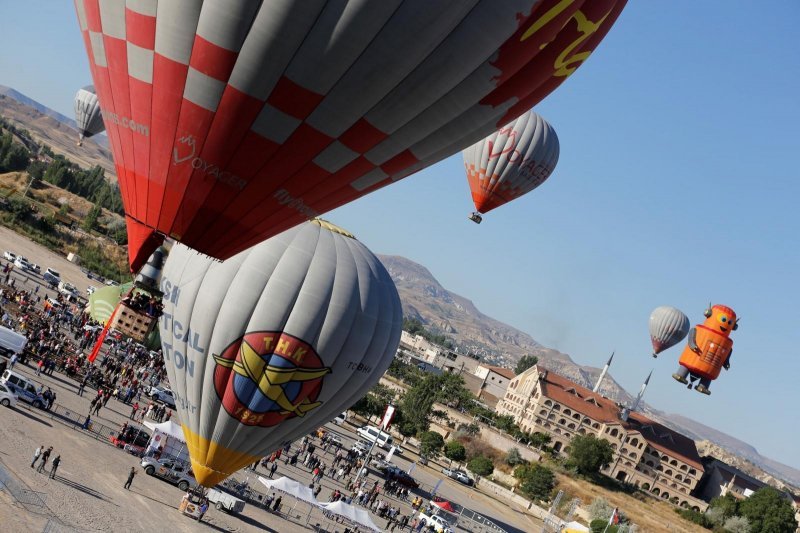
[203, 509]
[36, 455]
[272, 469]
[276, 506]
[56, 462]
[44, 459]
[82, 385]
[131, 475]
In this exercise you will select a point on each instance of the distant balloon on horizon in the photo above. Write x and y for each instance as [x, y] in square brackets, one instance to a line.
[510, 162]
[668, 326]
[87, 114]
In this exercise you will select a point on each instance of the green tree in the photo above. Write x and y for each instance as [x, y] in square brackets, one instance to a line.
[64, 209]
[600, 509]
[540, 439]
[737, 524]
[538, 482]
[525, 363]
[430, 444]
[90, 222]
[514, 458]
[601, 526]
[481, 465]
[418, 402]
[455, 451]
[727, 505]
[768, 511]
[588, 454]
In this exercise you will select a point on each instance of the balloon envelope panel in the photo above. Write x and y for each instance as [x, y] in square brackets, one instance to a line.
[232, 120]
[87, 113]
[511, 161]
[668, 326]
[277, 340]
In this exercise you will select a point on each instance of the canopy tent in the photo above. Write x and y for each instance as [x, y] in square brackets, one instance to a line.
[445, 505]
[168, 428]
[169, 436]
[352, 513]
[291, 487]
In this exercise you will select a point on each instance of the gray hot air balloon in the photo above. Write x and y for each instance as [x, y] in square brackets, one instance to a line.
[87, 113]
[668, 327]
[270, 344]
[510, 162]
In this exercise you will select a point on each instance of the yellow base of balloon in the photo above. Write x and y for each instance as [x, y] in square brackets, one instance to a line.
[211, 462]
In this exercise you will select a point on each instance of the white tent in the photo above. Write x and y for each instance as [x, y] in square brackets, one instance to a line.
[574, 527]
[169, 436]
[168, 428]
[291, 487]
[352, 513]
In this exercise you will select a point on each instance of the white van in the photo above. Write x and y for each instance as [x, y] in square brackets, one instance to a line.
[340, 419]
[373, 434]
[11, 342]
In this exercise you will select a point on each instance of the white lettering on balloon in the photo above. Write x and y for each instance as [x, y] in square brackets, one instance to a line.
[185, 150]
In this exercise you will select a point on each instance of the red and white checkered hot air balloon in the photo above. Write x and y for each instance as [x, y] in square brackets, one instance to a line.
[233, 120]
[510, 162]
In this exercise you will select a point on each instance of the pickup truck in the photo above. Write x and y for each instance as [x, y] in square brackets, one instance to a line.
[440, 525]
[224, 501]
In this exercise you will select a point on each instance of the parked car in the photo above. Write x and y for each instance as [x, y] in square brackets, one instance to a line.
[90, 290]
[175, 472]
[401, 477]
[440, 525]
[373, 434]
[10, 256]
[381, 464]
[11, 342]
[36, 268]
[52, 276]
[361, 447]
[340, 419]
[163, 395]
[22, 387]
[66, 288]
[7, 396]
[111, 282]
[459, 475]
[22, 263]
[133, 439]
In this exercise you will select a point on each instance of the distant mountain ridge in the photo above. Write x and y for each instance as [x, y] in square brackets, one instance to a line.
[55, 130]
[442, 311]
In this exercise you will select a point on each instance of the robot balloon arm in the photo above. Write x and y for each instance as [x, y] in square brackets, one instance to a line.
[727, 364]
[693, 339]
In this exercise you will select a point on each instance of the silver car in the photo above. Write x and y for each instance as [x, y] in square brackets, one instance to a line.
[176, 472]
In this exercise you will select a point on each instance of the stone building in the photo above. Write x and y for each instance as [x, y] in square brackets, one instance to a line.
[647, 454]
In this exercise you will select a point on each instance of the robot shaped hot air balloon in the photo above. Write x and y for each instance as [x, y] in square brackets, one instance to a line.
[668, 327]
[709, 348]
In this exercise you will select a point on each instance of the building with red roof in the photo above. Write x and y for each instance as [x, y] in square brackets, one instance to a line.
[646, 453]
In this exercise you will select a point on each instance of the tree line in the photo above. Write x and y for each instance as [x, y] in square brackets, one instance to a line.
[90, 184]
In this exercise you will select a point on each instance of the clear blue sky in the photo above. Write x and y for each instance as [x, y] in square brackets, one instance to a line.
[677, 184]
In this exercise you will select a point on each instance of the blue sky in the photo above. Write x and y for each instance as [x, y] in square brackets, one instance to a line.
[677, 184]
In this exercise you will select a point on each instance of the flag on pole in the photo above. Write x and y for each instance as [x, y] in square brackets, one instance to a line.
[614, 520]
[387, 417]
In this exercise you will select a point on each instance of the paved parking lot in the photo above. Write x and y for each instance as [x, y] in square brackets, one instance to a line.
[88, 492]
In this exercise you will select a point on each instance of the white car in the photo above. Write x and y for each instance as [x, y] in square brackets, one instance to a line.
[340, 419]
[7, 397]
[163, 395]
[66, 288]
[90, 289]
[440, 525]
[22, 263]
[10, 256]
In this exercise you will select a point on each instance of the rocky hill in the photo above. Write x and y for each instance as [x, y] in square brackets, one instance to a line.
[53, 129]
[443, 311]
